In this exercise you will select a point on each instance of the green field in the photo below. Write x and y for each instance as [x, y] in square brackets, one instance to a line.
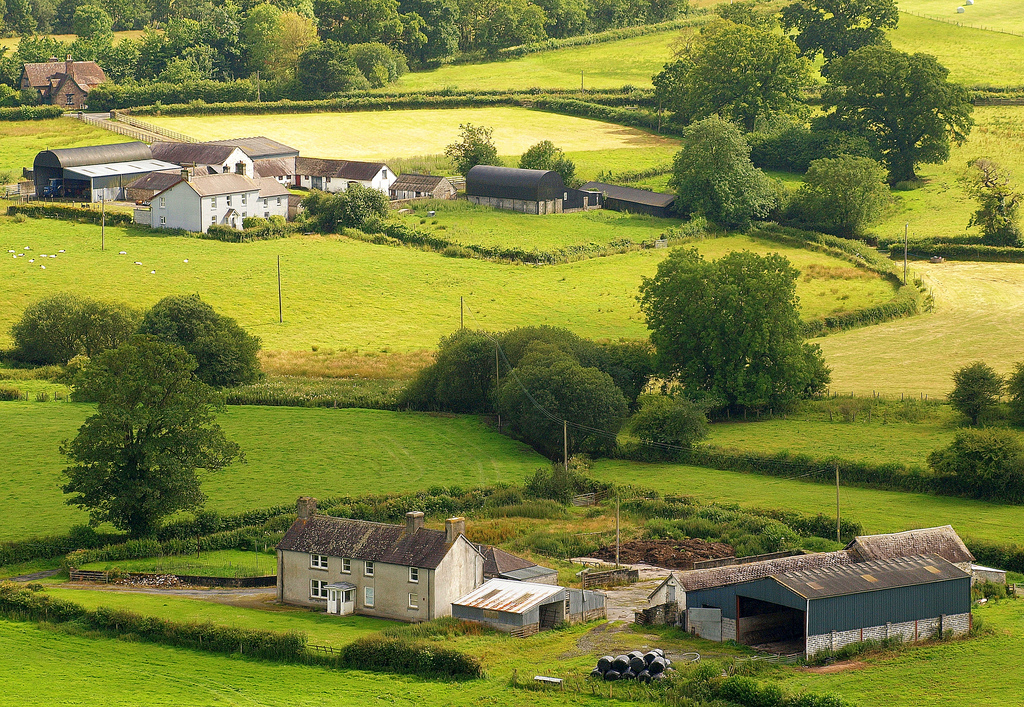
[380, 135]
[878, 511]
[20, 141]
[217, 563]
[997, 15]
[344, 293]
[289, 452]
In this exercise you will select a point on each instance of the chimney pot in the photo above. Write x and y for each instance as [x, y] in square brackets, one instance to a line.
[413, 522]
[305, 506]
[453, 528]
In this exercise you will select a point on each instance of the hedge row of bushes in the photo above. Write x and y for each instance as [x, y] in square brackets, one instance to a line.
[31, 113]
[1005, 557]
[857, 252]
[610, 35]
[73, 213]
[610, 114]
[111, 95]
[50, 546]
[906, 303]
[961, 251]
[397, 655]
[20, 603]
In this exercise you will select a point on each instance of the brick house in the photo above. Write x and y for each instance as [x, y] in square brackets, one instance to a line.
[62, 83]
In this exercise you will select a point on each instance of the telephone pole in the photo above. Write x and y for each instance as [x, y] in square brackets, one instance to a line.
[497, 385]
[103, 222]
[565, 444]
[906, 229]
[462, 316]
[280, 302]
[838, 539]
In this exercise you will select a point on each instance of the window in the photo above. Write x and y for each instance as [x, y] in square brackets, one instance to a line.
[213, 202]
[368, 568]
[243, 199]
[414, 574]
[348, 595]
[346, 565]
[265, 202]
[213, 219]
[318, 589]
[368, 596]
[278, 201]
[163, 220]
[244, 214]
[384, 173]
[71, 99]
[318, 562]
[414, 601]
[266, 214]
[163, 202]
[228, 197]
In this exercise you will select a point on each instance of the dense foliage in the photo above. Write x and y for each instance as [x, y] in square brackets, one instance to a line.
[475, 146]
[984, 463]
[359, 207]
[976, 390]
[134, 462]
[730, 328]
[669, 420]
[999, 203]
[841, 195]
[834, 28]
[225, 354]
[544, 155]
[58, 328]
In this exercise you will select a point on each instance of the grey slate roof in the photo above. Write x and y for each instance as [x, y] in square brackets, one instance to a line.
[85, 73]
[276, 167]
[942, 541]
[870, 576]
[363, 540]
[497, 561]
[271, 187]
[338, 169]
[158, 181]
[735, 574]
[636, 196]
[417, 182]
[259, 148]
[217, 184]
[192, 152]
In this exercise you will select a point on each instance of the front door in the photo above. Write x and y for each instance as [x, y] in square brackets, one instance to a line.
[332, 601]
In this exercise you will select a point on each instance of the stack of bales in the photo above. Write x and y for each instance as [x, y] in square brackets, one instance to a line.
[643, 667]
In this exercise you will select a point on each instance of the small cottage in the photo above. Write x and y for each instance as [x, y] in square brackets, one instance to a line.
[422, 186]
[221, 159]
[336, 175]
[62, 83]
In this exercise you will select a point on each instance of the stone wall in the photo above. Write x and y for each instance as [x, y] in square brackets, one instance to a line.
[728, 629]
[909, 631]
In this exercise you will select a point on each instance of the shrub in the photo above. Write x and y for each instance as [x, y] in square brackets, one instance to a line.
[10, 394]
[976, 390]
[669, 420]
[983, 463]
[59, 328]
[841, 195]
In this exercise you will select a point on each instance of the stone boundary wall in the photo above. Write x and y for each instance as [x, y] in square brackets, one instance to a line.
[909, 631]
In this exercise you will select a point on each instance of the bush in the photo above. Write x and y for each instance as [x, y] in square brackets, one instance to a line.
[841, 195]
[788, 147]
[71, 213]
[669, 420]
[31, 112]
[395, 655]
[63, 326]
[976, 390]
[983, 463]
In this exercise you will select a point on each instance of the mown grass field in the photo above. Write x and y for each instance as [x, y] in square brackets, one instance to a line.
[878, 511]
[20, 141]
[344, 293]
[1000, 15]
[379, 135]
[289, 452]
[218, 563]
[12, 43]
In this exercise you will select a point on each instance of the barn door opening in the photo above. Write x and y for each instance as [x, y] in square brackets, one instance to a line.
[769, 627]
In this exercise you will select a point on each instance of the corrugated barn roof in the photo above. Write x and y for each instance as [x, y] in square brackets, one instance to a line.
[636, 196]
[870, 576]
[735, 574]
[510, 596]
[260, 147]
[95, 154]
[417, 182]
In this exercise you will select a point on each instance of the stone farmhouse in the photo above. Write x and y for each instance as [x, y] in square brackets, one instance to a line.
[62, 83]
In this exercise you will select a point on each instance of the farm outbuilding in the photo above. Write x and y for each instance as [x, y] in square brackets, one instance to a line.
[524, 608]
[422, 186]
[531, 191]
[97, 172]
[637, 201]
[831, 606]
[336, 175]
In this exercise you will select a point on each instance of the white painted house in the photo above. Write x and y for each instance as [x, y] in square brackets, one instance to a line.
[225, 159]
[194, 203]
[336, 175]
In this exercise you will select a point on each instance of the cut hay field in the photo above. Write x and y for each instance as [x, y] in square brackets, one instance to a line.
[381, 135]
[20, 141]
[973, 56]
[289, 452]
[978, 309]
[878, 511]
[999, 15]
[345, 293]
[12, 43]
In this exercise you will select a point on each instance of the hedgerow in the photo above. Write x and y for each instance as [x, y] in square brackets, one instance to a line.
[31, 113]
[72, 213]
[610, 35]
[960, 251]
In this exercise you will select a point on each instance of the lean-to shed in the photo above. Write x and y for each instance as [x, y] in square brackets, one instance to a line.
[524, 608]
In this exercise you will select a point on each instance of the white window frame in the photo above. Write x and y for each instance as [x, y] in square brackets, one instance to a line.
[264, 202]
[414, 600]
[348, 595]
[414, 575]
[368, 597]
[213, 218]
[346, 565]
[368, 568]
[228, 197]
[213, 202]
[163, 220]
[317, 562]
[318, 589]
[266, 214]
[244, 202]
[163, 202]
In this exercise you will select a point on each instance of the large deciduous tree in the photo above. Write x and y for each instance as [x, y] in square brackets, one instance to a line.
[475, 146]
[713, 177]
[834, 28]
[983, 463]
[545, 155]
[135, 461]
[999, 203]
[738, 72]
[842, 195]
[730, 328]
[902, 103]
[976, 390]
[56, 329]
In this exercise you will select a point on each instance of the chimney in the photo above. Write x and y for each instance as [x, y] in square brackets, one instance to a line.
[69, 67]
[185, 174]
[453, 528]
[413, 522]
[306, 506]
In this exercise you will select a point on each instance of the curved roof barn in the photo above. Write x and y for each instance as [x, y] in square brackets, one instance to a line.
[512, 183]
[96, 154]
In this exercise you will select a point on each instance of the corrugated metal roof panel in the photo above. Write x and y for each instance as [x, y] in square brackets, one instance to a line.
[636, 196]
[108, 169]
[942, 541]
[510, 596]
[869, 576]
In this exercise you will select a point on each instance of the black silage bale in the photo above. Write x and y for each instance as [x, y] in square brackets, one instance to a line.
[604, 664]
[637, 664]
[611, 675]
[620, 664]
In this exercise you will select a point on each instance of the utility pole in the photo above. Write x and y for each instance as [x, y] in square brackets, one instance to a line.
[257, 86]
[581, 81]
[103, 222]
[906, 229]
[497, 384]
[565, 444]
[616, 530]
[838, 540]
[280, 302]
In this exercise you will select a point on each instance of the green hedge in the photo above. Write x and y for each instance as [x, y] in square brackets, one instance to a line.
[240, 539]
[1005, 557]
[50, 546]
[610, 35]
[31, 113]
[110, 95]
[397, 655]
[960, 251]
[71, 213]
[644, 119]
[344, 104]
[906, 303]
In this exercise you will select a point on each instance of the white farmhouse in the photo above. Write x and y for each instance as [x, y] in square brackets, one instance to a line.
[195, 203]
[336, 175]
[219, 158]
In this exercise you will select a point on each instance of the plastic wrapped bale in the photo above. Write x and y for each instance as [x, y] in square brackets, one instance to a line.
[657, 666]
[634, 654]
[597, 673]
[649, 656]
[660, 653]
[659, 676]
[620, 664]
[611, 675]
[605, 664]
[637, 664]
[644, 676]
[628, 675]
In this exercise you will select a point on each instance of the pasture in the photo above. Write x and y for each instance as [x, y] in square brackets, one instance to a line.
[997, 15]
[381, 135]
[340, 292]
[20, 141]
[289, 452]
[217, 563]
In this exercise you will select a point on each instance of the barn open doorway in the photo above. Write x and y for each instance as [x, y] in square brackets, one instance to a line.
[769, 627]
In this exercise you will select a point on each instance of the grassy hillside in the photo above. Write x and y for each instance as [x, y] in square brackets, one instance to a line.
[289, 452]
[1000, 15]
[344, 293]
[382, 135]
[20, 141]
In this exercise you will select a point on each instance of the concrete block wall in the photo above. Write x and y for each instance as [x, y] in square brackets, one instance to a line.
[728, 629]
[910, 631]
